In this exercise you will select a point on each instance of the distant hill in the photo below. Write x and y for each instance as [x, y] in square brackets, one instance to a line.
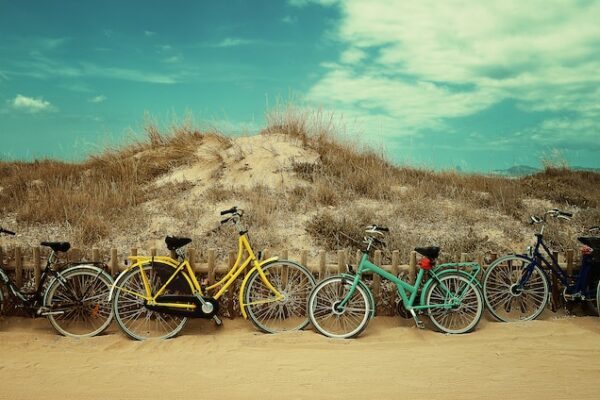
[524, 170]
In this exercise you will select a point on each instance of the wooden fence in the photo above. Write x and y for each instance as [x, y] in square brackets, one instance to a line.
[28, 264]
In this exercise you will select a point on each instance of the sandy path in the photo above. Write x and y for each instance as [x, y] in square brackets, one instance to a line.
[549, 359]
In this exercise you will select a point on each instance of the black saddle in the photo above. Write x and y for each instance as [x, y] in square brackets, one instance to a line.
[174, 242]
[429, 252]
[57, 246]
[591, 241]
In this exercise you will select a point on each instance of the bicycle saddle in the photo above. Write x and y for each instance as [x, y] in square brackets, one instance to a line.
[174, 242]
[591, 241]
[429, 252]
[58, 246]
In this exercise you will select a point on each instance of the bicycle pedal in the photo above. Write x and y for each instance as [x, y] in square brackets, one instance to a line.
[217, 320]
[419, 323]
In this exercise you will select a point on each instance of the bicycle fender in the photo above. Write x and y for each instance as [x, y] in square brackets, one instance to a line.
[441, 274]
[245, 281]
[369, 292]
[92, 267]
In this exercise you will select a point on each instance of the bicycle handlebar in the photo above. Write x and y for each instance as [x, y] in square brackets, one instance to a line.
[230, 211]
[2, 230]
[555, 212]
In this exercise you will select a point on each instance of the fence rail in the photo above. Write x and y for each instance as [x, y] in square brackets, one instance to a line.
[322, 263]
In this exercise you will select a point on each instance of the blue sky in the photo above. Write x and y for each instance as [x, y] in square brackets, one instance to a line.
[470, 84]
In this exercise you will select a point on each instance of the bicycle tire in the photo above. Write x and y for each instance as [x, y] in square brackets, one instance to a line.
[287, 315]
[321, 308]
[88, 287]
[132, 316]
[499, 283]
[467, 311]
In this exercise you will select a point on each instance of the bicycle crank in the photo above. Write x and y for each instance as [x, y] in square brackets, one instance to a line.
[186, 306]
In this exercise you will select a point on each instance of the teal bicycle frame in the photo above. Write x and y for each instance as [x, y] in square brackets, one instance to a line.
[412, 290]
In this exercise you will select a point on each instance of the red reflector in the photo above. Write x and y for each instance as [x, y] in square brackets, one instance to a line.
[585, 250]
[425, 263]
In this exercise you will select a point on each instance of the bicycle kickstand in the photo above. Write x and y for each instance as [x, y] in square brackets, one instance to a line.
[419, 323]
[217, 320]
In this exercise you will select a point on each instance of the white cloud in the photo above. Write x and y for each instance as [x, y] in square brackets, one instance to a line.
[97, 99]
[352, 55]
[30, 104]
[421, 63]
[230, 42]
[149, 33]
[172, 59]
[288, 19]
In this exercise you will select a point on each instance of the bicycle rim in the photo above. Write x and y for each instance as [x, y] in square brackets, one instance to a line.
[294, 282]
[79, 305]
[505, 299]
[132, 316]
[461, 318]
[330, 321]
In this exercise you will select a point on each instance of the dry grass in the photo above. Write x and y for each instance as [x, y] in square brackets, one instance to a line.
[89, 197]
[348, 187]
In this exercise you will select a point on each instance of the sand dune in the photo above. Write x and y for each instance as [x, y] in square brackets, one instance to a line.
[554, 358]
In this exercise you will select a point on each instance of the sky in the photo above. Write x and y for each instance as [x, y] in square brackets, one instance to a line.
[467, 85]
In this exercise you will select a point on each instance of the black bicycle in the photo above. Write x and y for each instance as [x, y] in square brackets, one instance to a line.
[75, 300]
[516, 287]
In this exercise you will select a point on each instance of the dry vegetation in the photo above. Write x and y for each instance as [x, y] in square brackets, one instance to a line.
[122, 197]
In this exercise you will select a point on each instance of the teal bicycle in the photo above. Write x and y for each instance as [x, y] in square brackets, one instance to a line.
[341, 306]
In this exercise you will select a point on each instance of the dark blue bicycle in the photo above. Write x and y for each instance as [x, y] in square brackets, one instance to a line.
[516, 287]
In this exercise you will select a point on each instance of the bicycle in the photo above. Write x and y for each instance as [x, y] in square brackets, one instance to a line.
[341, 306]
[154, 297]
[516, 286]
[76, 299]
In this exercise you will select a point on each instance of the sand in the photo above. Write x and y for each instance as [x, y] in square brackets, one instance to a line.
[554, 358]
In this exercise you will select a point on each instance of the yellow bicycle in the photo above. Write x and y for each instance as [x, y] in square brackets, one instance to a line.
[155, 296]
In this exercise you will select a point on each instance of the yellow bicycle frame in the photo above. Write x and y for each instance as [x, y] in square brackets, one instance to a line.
[190, 277]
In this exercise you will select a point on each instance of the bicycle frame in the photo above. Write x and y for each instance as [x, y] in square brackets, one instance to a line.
[412, 290]
[538, 259]
[36, 297]
[184, 268]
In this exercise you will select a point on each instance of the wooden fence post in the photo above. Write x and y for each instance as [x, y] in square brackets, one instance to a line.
[377, 278]
[322, 264]
[37, 266]
[569, 260]
[95, 255]
[555, 284]
[396, 262]
[412, 267]
[211, 266]
[191, 256]
[153, 252]
[114, 262]
[304, 258]
[18, 267]
[341, 261]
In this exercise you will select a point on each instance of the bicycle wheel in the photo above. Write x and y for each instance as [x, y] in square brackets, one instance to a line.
[329, 320]
[598, 298]
[294, 282]
[504, 297]
[78, 303]
[131, 314]
[461, 318]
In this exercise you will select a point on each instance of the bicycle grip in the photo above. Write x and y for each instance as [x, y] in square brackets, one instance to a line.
[224, 221]
[2, 230]
[566, 214]
[231, 210]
